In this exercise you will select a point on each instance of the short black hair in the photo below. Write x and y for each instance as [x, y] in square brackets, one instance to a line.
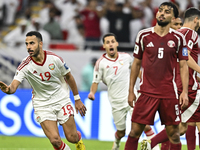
[109, 34]
[170, 4]
[36, 33]
[192, 12]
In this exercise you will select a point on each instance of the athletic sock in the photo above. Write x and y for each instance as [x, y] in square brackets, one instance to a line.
[149, 134]
[131, 143]
[79, 135]
[117, 139]
[63, 146]
[175, 146]
[159, 138]
[191, 137]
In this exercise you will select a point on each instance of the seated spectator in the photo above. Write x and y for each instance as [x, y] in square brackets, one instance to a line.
[53, 27]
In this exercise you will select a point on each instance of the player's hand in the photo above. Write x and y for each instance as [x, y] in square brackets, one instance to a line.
[91, 96]
[80, 107]
[4, 87]
[183, 100]
[131, 98]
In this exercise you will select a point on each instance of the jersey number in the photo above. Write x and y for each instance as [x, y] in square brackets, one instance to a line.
[160, 53]
[116, 68]
[67, 110]
[47, 75]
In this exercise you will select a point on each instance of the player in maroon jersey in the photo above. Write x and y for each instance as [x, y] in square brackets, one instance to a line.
[156, 51]
[191, 114]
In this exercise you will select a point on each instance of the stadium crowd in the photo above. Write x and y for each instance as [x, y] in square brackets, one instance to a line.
[80, 24]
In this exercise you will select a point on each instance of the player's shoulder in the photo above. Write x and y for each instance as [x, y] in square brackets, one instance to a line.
[189, 32]
[146, 31]
[54, 55]
[124, 54]
[24, 62]
[176, 33]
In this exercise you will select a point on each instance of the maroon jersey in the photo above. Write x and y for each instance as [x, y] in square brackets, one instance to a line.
[159, 58]
[191, 38]
[91, 23]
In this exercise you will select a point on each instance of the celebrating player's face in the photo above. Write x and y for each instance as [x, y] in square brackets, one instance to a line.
[164, 15]
[32, 46]
[110, 44]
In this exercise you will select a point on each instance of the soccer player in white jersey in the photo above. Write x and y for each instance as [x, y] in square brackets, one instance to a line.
[47, 73]
[113, 68]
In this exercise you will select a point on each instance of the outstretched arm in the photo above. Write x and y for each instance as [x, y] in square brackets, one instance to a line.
[93, 90]
[79, 106]
[11, 88]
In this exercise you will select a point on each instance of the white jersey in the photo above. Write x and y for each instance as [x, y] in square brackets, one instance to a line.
[46, 79]
[116, 75]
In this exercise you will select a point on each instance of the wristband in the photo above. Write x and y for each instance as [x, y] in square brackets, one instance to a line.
[77, 97]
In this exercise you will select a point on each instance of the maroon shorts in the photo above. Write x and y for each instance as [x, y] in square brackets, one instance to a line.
[146, 107]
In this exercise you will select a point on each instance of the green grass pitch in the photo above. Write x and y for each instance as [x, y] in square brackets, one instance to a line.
[35, 143]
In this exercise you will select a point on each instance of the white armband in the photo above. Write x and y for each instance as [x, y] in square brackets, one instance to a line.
[76, 97]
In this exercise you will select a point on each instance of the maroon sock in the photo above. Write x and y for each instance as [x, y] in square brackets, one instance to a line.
[191, 137]
[159, 138]
[175, 146]
[131, 143]
[165, 145]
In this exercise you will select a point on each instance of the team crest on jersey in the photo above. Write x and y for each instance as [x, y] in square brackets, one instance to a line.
[51, 66]
[121, 62]
[171, 43]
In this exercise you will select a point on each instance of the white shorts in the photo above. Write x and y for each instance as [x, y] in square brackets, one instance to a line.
[119, 117]
[54, 112]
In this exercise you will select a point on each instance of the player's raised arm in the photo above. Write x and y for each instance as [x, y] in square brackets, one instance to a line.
[79, 106]
[93, 90]
[11, 88]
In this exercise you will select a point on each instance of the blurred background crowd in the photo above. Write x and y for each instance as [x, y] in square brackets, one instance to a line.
[79, 24]
[74, 26]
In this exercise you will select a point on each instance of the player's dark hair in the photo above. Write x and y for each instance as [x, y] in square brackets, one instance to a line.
[191, 13]
[170, 4]
[109, 34]
[37, 34]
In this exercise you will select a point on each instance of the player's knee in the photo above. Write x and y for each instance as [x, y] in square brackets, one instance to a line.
[56, 141]
[175, 137]
[120, 134]
[73, 138]
[135, 133]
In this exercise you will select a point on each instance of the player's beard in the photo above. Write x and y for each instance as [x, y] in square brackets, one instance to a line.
[162, 24]
[37, 51]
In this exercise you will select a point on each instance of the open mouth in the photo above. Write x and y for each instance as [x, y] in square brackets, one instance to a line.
[111, 49]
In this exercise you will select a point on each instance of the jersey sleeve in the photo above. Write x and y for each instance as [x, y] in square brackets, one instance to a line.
[19, 75]
[97, 74]
[182, 51]
[64, 68]
[191, 39]
[138, 52]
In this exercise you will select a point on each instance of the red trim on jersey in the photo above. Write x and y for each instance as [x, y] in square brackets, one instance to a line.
[104, 55]
[96, 68]
[45, 57]
[24, 63]
[51, 53]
